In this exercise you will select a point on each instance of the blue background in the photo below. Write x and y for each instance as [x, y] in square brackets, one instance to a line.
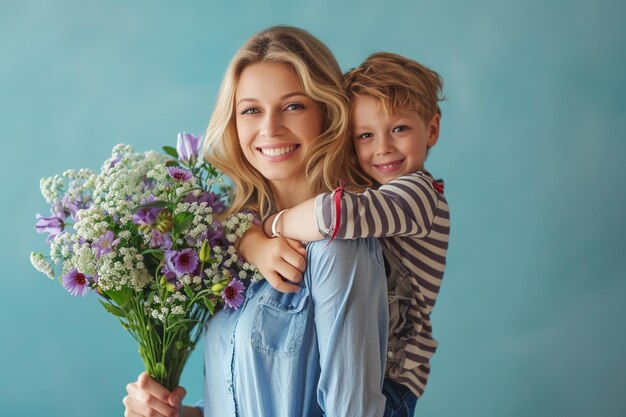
[531, 314]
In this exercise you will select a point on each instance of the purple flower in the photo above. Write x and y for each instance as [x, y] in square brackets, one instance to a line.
[179, 174]
[210, 198]
[160, 240]
[114, 162]
[53, 225]
[70, 206]
[105, 244]
[188, 147]
[76, 283]
[181, 262]
[146, 216]
[169, 274]
[233, 294]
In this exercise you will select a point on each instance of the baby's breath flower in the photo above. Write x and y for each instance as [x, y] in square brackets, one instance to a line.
[41, 265]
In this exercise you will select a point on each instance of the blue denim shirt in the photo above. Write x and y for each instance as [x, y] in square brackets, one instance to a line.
[319, 351]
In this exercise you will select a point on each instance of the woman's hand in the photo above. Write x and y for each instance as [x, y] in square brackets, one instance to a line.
[148, 398]
[281, 261]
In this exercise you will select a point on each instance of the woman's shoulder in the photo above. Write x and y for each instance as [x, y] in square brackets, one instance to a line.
[344, 248]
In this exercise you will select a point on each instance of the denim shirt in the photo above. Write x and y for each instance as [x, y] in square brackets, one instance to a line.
[317, 352]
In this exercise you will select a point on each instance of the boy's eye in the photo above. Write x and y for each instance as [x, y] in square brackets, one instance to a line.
[365, 135]
[250, 110]
[401, 128]
[294, 106]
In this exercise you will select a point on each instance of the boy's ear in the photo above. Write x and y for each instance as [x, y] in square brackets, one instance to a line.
[433, 130]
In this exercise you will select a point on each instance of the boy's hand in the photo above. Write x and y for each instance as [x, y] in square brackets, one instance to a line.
[281, 261]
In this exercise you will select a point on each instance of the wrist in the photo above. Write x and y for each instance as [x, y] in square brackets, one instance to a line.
[277, 225]
[267, 225]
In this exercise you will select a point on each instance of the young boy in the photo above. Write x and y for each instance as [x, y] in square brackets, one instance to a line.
[394, 122]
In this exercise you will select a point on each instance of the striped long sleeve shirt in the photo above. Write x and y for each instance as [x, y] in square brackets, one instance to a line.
[412, 219]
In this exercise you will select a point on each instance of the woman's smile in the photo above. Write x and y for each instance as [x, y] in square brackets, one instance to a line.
[276, 120]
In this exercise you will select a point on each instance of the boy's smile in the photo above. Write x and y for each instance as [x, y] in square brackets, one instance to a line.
[389, 146]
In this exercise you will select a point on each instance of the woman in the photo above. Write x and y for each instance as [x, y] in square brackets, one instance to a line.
[276, 132]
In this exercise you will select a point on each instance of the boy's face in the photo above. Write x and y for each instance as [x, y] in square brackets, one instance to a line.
[389, 146]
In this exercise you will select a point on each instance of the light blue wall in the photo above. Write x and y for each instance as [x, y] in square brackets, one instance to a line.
[533, 149]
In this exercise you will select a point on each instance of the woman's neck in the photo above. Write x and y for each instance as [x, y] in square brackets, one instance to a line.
[290, 193]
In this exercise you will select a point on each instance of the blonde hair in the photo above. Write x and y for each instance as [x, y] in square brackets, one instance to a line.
[321, 78]
[398, 83]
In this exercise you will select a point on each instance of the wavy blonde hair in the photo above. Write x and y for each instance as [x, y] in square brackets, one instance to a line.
[321, 78]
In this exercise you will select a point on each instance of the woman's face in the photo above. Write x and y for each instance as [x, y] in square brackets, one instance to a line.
[276, 120]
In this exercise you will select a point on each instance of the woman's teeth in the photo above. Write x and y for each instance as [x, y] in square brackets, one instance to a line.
[277, 151]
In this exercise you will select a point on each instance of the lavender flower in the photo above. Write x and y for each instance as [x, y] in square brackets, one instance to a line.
[212, 200]
[146, 216]
[160, 240]
[233, 294]
[181, 262]
[75, 282]
[53, 225]
[179, 174]
[105, 244]
[71, 206]
[188, 147]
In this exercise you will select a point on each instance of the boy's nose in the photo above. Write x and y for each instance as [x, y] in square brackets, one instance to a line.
[385, 145]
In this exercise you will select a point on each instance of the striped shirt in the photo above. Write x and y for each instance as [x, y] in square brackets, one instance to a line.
[412, 219]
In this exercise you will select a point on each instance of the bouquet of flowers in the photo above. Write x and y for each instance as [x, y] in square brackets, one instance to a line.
[143, 235]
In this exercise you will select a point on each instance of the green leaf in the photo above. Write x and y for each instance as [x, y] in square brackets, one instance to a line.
[171, 151]
[210, 305]
[182, 221]
[152, 204]
[116, 311]
[158, 254]
[121, 297]
[160, 371]
[188, 291]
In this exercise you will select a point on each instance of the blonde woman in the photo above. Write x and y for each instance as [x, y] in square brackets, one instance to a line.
[277, 132]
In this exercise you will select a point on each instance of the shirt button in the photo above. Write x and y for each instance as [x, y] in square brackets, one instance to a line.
[390, 354]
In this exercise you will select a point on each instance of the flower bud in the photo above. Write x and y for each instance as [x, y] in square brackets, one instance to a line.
[205, 252]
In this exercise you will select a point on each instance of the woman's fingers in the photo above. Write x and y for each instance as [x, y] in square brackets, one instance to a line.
[146, 397]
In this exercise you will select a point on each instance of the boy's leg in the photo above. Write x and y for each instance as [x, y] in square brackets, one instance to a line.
[401, 401]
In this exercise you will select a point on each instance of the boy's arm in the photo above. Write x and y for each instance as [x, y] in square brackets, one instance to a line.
[298, 222]
[405, 206]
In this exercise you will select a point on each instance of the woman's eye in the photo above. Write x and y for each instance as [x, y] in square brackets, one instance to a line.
[400, 129]
[365, 135]
[250, 110]
[294, 106]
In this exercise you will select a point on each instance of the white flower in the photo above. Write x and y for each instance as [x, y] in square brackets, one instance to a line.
[40, 264]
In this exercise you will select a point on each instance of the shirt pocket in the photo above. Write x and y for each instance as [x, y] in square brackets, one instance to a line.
[279, 322]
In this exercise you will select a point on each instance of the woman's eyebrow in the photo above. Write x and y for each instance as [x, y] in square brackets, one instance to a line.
[286, 96]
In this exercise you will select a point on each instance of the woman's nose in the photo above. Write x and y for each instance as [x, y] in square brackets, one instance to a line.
[271, 125]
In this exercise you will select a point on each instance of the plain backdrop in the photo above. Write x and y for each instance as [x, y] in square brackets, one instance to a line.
[530, 318]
